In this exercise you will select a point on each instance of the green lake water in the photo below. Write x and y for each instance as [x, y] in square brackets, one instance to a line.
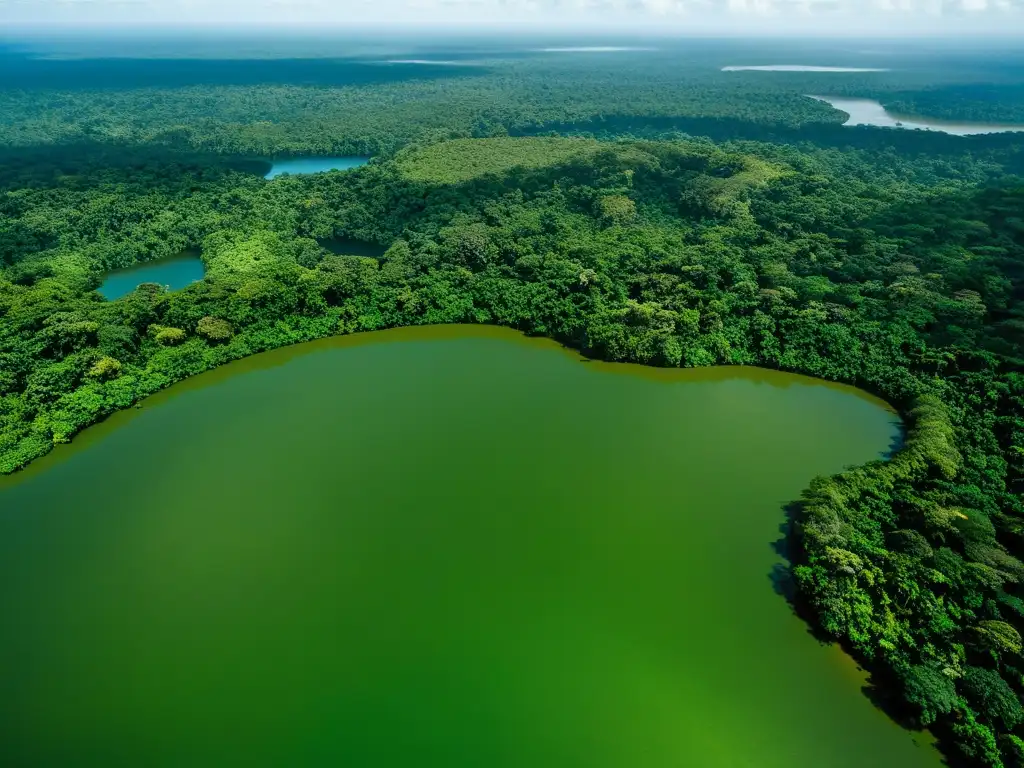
[449, 547]
[174, 273]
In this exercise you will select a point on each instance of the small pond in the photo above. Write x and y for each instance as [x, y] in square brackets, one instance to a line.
[174, 273]
[344, 246]
[871, 112]
[304, 165]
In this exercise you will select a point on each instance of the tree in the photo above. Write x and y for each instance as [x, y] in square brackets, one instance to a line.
[1013, 750]
[169, 336]
[910, 542]
[105, 368]
[617, 209]
[997, 637]
[976, 741]
[931, 691]
[214, 329]
[992, 698]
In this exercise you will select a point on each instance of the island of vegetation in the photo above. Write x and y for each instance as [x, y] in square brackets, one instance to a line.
[691, 226]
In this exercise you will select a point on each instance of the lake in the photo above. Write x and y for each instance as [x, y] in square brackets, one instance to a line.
[800, 68]
[445, 546]
[871, 112]
[595, 49]
[434, 62]
[303, 165]
[174, 273]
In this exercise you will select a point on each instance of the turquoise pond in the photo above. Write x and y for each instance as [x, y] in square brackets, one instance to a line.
[304, 165]
[174, 273]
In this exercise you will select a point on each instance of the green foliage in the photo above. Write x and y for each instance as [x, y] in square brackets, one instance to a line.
[930, 690]
[992, 698]
[1013, 750]
[169, 337]
[911, 543]
[997, 638]
[105, 368]
[895, 266]
[976, 741]
[214, 329]
[617, 209]
[462, 160]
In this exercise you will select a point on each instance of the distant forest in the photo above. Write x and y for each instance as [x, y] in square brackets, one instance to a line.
[366, 105]
[642, 206]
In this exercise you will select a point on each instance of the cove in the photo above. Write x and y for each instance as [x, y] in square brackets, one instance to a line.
[174, 273]
[871, 112]
[444, 546]
[304, 165]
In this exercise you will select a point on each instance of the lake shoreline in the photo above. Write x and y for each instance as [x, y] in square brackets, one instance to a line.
[449, 409]
[279, 355]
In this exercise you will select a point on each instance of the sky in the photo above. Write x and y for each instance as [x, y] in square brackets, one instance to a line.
[770, 17]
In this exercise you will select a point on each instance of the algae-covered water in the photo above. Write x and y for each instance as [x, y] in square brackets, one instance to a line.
[434, 547]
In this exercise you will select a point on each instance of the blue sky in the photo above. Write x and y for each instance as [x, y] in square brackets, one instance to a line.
[888, 17]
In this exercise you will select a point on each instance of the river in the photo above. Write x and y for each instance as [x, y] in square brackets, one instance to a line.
[871, 112]
[445, 546]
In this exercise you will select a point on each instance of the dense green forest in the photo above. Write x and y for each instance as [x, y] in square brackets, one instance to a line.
[694, 218]
[367, 105]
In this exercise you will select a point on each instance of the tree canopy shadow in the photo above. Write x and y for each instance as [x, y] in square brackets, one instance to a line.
[92, 74]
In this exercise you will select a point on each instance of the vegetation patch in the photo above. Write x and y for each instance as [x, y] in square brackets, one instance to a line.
[460, 160]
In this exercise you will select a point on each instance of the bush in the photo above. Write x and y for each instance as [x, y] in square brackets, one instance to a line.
[170, 337]
[105, 368]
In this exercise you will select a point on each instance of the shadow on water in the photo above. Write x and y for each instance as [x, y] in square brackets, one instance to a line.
[879, 688]
[781, 575]
[787, 545]
[898, 440]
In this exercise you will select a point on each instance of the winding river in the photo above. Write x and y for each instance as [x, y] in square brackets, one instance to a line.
[871, 112]
[445, 546]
